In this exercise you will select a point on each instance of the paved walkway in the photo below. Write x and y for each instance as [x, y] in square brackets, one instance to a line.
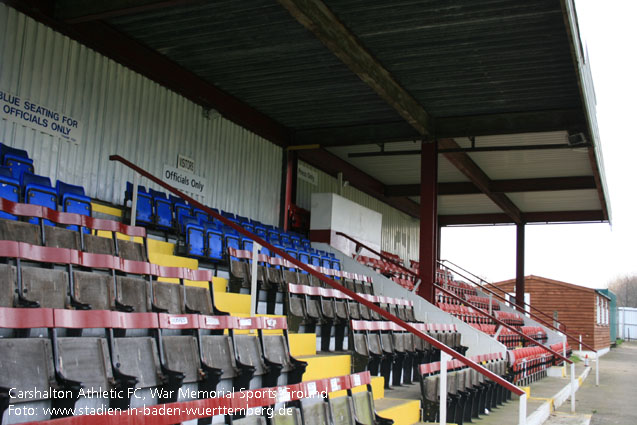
[614, 401]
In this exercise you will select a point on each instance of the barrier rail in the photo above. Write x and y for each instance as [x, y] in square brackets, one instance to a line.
[577, 340]
[435, 343]
[501, 323]
[513, 301]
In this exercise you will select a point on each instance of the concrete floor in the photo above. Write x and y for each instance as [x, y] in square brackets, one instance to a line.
[614, 401]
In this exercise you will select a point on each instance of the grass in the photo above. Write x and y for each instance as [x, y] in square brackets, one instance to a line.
[619, 341]
[575, 359]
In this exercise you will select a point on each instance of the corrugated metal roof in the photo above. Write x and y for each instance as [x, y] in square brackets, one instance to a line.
[256, 51]
[466, 204]
[534, 164]
[520, 139]
[561, 200]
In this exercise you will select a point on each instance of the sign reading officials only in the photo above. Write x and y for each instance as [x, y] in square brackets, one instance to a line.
[185, 181]
[39, 117]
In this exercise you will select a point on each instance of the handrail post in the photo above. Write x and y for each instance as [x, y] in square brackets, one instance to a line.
[444, 358]
[133, 213]
[490, 304]
[580, 343]
[597, 356]
[572, 387]
[522, 415]
[254, 295]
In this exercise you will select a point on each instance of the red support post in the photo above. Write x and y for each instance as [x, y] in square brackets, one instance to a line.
[290, 186]
[428, 219]
[519, 265]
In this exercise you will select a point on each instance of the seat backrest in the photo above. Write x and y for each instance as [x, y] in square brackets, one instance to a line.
[95, 289]
[360, 344]
[168, 297]
[7, 285]
[133, 292]
[315, 412]
[58, 237]
[217, 352]
[181, 354]
[99, 245]
[249, 352]
[292, 417]
[276, 350]
[27, 365]
[130, 250]
[364, 408]
[198, 299]
[138, 357]
[342, 411]
[86, 360]
[47, 287]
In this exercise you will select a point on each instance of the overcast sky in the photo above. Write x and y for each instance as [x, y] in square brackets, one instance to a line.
[585, 254]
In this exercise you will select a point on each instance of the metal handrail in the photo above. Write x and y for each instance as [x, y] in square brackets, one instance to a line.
[514, 302]
[531, 314]
[495, 319]
[434, 342]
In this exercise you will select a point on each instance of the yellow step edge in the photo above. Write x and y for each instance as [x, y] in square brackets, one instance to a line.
[321, 367]
[176, 261]
[220, 284]
[105, 209]
[160, 247]
[121, 236]
[302, 344]
[235, 304]
[407, 413]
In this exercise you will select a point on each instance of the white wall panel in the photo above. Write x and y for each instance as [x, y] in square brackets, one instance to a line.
[400, 232]
[127, 114]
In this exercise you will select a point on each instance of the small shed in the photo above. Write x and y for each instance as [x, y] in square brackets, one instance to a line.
[584, 311]
[613, 313]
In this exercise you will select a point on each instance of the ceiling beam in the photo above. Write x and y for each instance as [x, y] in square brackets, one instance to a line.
[75, 11]
[332, 165]
[449, 127]
[500, 186]
[530, 217]
[130, 53]
[470, 169]
[319, 19]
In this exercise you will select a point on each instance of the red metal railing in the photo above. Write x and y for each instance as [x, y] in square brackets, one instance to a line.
[453, 295]
[569, 336]
[434, 342]
[513, 301]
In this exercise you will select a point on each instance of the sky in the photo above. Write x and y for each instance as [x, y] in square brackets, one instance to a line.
[590, 255]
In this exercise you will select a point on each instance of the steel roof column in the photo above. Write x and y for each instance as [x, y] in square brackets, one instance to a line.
[428, 219]
[289, 197]
[519, 265]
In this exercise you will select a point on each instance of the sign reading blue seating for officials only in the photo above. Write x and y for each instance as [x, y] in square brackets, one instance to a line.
[34, 115]
[185, 181]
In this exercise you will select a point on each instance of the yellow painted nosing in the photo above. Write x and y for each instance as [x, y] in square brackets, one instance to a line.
[302, 344]
[579, 379]
[550, 400]
[527, 390]
[234, 304]
[219, 284]
[105, 209]
[321, 367]
[406, 413]
[160, 247]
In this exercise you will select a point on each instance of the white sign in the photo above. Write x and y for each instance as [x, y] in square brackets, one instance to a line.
[307, 174]
[185, 163]
[185, 181]
[33, 115]
[179, 320]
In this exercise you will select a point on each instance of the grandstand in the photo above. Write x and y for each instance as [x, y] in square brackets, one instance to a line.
[136, 292]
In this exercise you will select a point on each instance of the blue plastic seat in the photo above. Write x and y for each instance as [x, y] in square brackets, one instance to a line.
[38, 190]
[261, 231]
[195, 237]
[163, 217]
[248, 227]
[304, 257]
[144, 214]
[279, 247]
[73, 200]
[316, 260]
[336, 265]
[232, 241]
[200, 215]
[181, 210]
[285, 239]
[242, 219]
[296, 240]
[228, 215]
[9, 189]
[325, 262]
[214, 242]
[17, 160]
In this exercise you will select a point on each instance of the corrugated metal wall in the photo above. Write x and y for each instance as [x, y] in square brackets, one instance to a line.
[127, 114]
[400, 232]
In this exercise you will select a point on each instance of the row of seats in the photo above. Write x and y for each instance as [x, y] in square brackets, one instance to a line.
[309, 307]
[529, 364]
[469, 393]
[167, 358]
[506, 336]
[464, 313]
[388, 350]
[509, 317]
[389, 269]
